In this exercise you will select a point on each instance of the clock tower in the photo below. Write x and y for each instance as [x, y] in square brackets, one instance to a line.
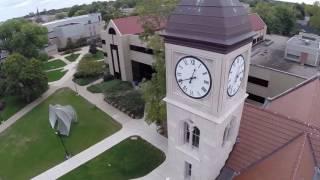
[208, 49]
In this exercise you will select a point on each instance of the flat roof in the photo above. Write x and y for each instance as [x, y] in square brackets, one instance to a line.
[273, 57]
[298, 41]
[68, 19]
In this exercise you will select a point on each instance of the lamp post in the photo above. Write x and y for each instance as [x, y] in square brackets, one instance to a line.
[67, 154]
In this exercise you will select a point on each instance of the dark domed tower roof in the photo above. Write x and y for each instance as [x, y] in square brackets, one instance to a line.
[217, 25]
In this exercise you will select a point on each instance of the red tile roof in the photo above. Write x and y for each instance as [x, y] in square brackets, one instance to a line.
[301, 103]
[256, 22]
[262, 132]
[130, 25]
[294, 160]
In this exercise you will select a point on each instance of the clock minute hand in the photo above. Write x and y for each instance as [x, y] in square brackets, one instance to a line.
[192, 76]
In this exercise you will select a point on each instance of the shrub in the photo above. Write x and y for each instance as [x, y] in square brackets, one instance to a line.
[98, 56]
[93, 49]
[72, 57]
[43, 56]
[85, 80]
[90, 68]
[107, 77]
[130, 102]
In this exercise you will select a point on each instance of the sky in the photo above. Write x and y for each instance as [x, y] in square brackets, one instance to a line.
[17, 8]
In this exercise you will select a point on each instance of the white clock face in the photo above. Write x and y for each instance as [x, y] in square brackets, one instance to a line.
[236, 75]
[193, 77]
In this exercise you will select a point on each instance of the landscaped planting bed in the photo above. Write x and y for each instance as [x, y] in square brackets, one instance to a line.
[30, 146]
[72, 57]
[55, 64]
[89, 71]
[98, 56]
[129, 102]
[132, 158]
[122, 96]
[113, 86]
[56, 75]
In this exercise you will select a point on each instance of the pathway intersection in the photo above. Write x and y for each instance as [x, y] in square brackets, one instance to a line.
[130, 127]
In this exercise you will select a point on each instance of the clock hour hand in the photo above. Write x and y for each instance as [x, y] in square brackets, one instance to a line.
[181, 80]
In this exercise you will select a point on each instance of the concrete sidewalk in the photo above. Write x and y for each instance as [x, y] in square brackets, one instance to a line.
[130, 127]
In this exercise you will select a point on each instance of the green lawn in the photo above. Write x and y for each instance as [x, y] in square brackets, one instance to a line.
[127, 160]
[55, 64]
[13, 105]
[98, 56]
[56, 75]
[72, 57]
[30, 146]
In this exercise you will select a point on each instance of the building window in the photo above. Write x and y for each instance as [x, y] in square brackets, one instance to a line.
[141, 49]
[258, 81]
[105, 54]
[292, 56]
[195, 137]
[188, 170]
[186, 133]
[103, 41]
[256, 98]
[112, 31]
[228, 131]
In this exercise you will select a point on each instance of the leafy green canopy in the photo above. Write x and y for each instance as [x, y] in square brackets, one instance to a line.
[21, 36]
[280, 18]
[24, 78]
[153, 13]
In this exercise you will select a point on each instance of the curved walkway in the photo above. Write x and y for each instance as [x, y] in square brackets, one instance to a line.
[130, 127]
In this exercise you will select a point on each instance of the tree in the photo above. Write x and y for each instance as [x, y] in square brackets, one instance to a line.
[23, 37]
[70, 46]
[284, 20]
[315, 21]
[81, 12]
[280, 18]
[24, 78]
[61, 15]
[153, 13]
[73, 10]
[265, 11]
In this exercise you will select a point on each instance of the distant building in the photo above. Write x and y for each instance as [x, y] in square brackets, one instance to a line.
[86, 26]
[304, 48]
[127, 11]
[129, 58]
[271, 73]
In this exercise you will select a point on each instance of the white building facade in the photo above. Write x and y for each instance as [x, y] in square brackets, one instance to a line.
[304, 48]
[129, 58]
